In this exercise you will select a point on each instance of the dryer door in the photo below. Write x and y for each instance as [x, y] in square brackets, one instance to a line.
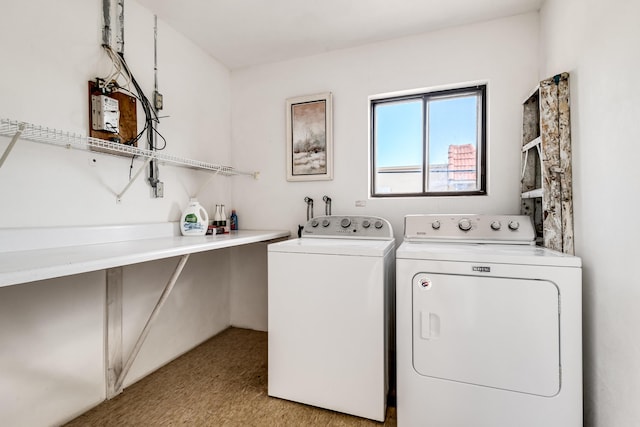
[488, 331]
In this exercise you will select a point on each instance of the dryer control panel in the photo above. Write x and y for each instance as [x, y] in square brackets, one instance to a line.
[352, 227]
[505, 229]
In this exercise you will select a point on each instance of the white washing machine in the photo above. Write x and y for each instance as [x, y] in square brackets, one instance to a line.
[489, 328]
[331, 315]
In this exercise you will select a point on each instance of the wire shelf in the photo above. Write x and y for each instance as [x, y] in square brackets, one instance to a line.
[35, 133]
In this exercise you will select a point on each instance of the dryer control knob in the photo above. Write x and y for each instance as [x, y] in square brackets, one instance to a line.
[325, 223]
[314, 222]
[345, 222]
[435, 225]
[378, 224]
[464, 224]
[514, 225]
[495, 225]
[366, 223]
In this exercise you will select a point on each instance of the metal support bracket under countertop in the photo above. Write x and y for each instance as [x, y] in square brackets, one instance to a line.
[116, 369]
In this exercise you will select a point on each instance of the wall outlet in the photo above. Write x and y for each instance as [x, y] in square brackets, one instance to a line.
[158, 101]
[361, 203]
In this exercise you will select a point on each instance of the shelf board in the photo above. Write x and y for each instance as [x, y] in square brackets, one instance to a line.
[533, 143]
[538, 192]
[533, 93]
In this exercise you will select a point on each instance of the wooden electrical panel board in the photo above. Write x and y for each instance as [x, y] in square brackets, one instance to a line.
[128, 119]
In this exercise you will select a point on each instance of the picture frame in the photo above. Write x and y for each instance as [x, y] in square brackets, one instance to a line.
[310, 137]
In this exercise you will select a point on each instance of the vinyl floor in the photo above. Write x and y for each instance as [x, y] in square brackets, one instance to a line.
[222, 382]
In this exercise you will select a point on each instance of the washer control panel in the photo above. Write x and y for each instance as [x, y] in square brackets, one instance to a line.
[354, 227]
[512, 229]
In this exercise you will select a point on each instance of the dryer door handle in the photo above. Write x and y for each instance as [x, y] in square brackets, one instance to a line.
[429, 325]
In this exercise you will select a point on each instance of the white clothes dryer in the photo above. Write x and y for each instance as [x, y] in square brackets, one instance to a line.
[489, 328]
[331, 315]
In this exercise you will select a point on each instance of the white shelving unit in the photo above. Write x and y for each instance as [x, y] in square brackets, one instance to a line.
[21, 130]
[546, 181]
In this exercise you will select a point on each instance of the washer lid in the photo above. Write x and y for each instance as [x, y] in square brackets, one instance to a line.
[488, 253]
[335, 247]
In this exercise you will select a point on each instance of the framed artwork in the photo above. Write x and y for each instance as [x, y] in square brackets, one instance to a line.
[310, 138]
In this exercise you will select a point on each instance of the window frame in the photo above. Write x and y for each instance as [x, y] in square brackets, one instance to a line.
[481, 91]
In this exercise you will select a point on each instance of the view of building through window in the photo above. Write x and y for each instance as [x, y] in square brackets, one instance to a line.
[429, 143]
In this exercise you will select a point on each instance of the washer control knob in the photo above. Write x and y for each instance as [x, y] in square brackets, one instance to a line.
[314, 222]
[435, 225]
[345, 222]
[378, 224]
[366, 223]
[514, 225]
[464, 224]
[495, 225]
[325, 222]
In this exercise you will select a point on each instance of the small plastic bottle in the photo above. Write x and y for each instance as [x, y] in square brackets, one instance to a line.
[217, 218]
[234, 220]
[223, 217]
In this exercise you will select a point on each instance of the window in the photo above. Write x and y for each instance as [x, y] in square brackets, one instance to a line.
[429, 144]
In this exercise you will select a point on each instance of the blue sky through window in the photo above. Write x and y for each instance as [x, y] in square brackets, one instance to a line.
[399, 129]
[399, 133]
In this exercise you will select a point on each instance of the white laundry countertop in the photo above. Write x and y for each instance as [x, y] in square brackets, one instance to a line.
[31, 254]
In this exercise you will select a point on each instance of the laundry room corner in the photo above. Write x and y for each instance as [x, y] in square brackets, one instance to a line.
[509, 65]
[591, 41]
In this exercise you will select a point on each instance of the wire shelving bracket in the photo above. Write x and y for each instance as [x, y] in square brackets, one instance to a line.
[30, 132]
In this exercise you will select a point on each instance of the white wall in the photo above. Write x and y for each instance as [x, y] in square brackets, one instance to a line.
[598, 43]
[51, 51]
[52, 332]
[249, 287]
[51, 349]
[503, 52]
